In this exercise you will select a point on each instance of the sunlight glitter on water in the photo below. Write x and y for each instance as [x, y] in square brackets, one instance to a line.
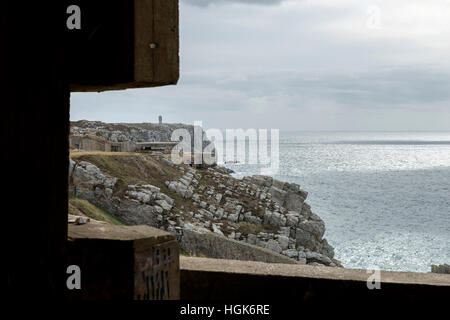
[384, 197]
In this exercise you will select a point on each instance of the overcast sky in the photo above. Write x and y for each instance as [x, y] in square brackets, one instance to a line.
[299, 65]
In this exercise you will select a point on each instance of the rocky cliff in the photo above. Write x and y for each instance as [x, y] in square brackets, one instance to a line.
[255, 218]
[136, 132]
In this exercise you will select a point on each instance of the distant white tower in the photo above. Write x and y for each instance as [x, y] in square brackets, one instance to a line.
[160, 119]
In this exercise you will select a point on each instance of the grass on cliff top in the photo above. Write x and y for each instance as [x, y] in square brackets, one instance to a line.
[75, 154]
[77, 206]
[92, 137]
[130, 168]
[136, 168]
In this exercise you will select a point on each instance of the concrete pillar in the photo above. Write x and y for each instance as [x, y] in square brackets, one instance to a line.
[118, 262]
[35, 128]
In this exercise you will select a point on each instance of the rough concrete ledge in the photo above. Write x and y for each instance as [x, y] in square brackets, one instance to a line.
[124, 262]
[214, 279]
[305, 271]
[119, 233]
[214, 246]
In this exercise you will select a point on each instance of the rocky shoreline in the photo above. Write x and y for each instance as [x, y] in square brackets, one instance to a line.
[211, 213]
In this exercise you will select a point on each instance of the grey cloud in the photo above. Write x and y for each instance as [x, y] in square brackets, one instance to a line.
[205, 3]
[390, 99]
[270, 66]
[376, 88]
[383, 88]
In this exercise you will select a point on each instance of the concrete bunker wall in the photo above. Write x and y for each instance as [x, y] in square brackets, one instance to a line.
[219, 247]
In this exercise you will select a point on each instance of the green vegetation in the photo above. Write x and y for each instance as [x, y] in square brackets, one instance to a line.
[249, 228]
[77, 206]
[136, 168]
[130, 168]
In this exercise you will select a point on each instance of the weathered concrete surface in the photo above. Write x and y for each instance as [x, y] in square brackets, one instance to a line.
[136, 46]
[40, 61]
[35, 100]
[117, 262]
[211, 279]
[156, 42]
[211, 245]
[93, 143]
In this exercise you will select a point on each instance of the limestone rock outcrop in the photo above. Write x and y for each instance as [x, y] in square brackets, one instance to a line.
[134, 132]
[258, 210]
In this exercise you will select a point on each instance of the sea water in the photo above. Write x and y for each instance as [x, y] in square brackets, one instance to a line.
[384, 196]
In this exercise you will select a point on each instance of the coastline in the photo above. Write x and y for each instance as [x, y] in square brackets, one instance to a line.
[206, 208]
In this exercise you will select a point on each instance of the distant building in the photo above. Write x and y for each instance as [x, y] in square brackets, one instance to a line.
[87, 142]
[163, 147]
[93, 143]
[160, 119]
